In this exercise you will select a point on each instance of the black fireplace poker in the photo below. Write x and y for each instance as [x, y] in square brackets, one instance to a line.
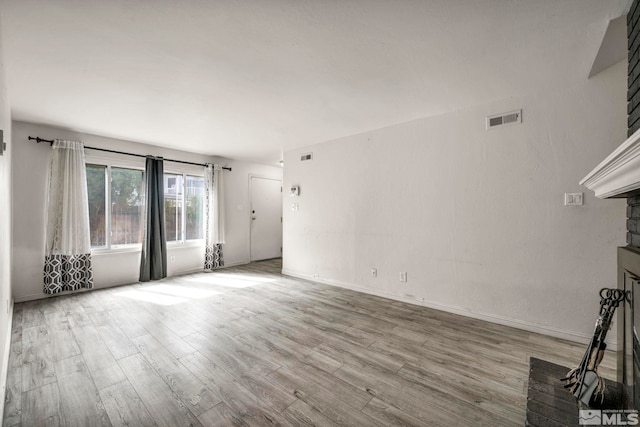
[584, 381]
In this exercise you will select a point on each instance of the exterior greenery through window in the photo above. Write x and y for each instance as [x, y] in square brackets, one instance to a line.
[114, 220]
[96, 191]
[184, 207]
[116, 201]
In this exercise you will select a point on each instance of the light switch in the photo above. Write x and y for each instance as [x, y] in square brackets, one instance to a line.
[573, 199]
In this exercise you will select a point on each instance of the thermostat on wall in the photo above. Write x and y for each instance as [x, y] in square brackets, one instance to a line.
[294, 191]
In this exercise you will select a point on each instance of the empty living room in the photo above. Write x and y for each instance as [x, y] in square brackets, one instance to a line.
[357, 213]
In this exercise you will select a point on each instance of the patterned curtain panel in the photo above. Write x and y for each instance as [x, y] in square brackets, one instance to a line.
[67, 262]
[214, 217]
[153, 262]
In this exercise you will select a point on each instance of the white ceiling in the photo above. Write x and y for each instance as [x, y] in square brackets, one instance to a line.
[251, 79]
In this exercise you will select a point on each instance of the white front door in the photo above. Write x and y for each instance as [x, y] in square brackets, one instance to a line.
[266, 218]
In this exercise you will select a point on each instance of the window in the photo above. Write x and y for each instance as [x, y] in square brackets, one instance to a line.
[195, 208]
[126, 206]
[114, 220]
[184, 207]
[96, 190]
[173, 207]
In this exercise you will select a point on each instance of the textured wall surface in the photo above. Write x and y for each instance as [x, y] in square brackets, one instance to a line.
[633, 110]
[5, 225]
[633, 93]
[633, 221]
[475, 217]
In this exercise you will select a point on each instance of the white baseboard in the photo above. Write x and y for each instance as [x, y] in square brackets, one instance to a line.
[42, 295]
[236, 263]
[5, 361]
[186, 271]
[514, 323]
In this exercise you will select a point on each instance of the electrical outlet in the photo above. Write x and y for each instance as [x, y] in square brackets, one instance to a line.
[374, 272]
[172, 259]
[403, 276]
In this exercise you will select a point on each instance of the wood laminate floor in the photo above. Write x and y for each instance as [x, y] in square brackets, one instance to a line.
[248, 346]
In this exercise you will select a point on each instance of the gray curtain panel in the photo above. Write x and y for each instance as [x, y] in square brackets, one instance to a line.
[153, 262]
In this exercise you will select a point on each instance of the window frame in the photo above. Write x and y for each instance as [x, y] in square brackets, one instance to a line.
[122, 163]
[110, 160]
[184, 242]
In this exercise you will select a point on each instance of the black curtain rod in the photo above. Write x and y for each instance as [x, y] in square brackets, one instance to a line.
[39, 140]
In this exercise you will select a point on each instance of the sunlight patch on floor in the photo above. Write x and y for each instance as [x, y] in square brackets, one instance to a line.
[167, 294]
[151, 297]
[181, 291]
[230, 280]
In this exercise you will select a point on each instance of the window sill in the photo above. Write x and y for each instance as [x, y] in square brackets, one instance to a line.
[116, 250]
[138, 248]
[186, 245]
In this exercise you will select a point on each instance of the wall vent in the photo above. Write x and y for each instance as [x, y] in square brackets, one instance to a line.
[510, 118]
[305, 157]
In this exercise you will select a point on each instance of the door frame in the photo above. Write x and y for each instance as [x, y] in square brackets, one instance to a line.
[251, 176]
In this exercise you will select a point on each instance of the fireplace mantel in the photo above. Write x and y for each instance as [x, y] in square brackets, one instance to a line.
[619, 174]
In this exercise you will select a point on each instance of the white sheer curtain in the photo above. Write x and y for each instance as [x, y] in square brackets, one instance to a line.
[67, 264]
[214, 216]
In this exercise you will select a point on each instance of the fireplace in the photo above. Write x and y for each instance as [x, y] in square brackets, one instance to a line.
[629, 326]
[618, 176]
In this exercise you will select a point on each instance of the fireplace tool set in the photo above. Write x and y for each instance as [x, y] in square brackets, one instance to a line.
[584, 381]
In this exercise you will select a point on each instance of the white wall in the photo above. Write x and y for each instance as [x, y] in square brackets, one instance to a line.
[475, 217]
[31, 161]
[5, 228]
